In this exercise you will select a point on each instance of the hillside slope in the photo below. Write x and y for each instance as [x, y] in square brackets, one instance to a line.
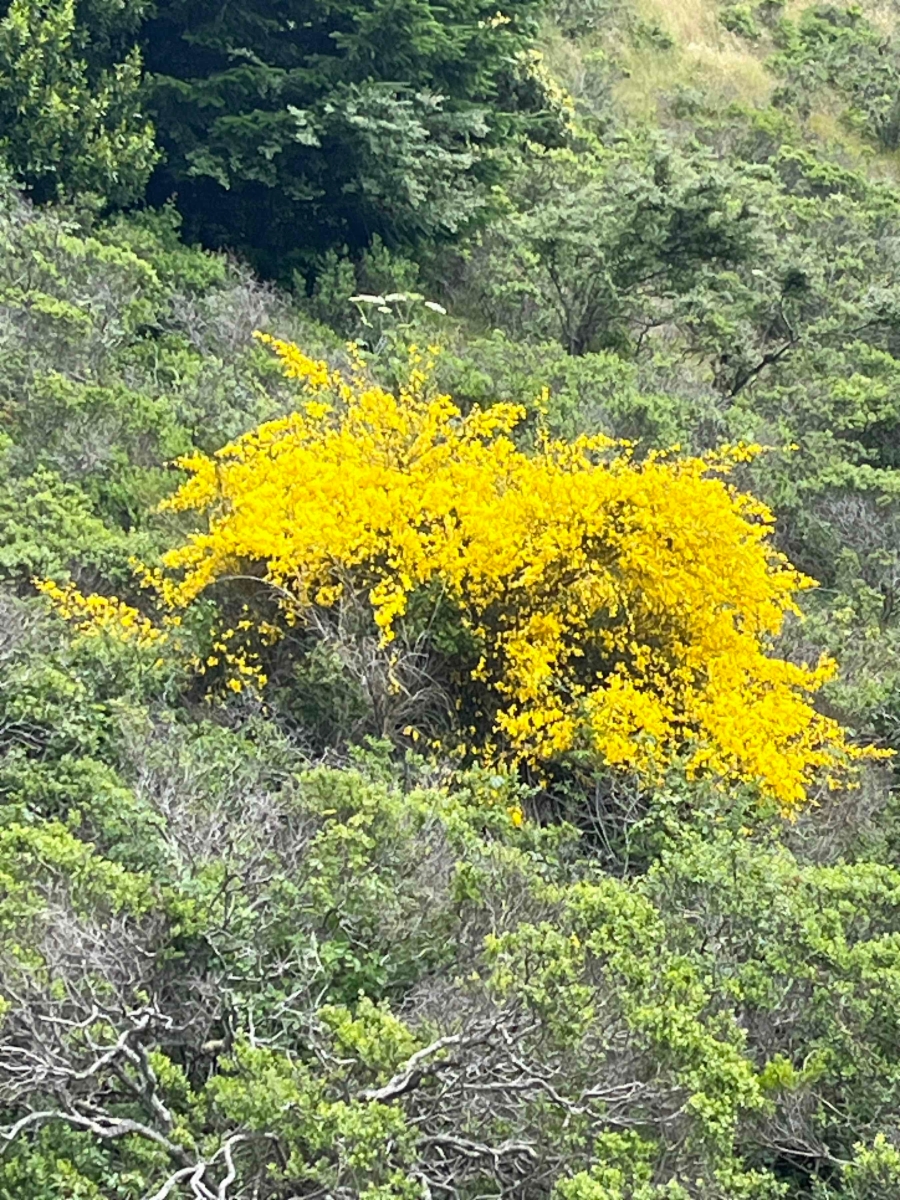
[450, 689]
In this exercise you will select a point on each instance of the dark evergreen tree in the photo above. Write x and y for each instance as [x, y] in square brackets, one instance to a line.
[290, 126]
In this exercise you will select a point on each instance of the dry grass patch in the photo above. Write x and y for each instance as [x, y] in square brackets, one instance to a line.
[705, 55]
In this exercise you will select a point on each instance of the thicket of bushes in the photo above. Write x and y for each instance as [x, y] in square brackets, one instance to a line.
[290, 907]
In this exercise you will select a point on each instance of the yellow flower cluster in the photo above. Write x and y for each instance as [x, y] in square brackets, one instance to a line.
[93, 616]
[96, 616]
[241, 663]
[627, 607]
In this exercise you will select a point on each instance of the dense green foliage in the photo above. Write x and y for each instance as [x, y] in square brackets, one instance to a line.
[341, 120]
[70, 99]
[837, 47]
[252, 947]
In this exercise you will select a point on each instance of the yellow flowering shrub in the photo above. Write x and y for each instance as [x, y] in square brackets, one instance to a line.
[96, 616]
[93, 616]
[613, 605]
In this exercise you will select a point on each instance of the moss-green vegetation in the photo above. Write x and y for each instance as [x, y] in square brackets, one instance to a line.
[249, 946]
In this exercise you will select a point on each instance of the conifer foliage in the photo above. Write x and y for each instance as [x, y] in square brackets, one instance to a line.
[323, 124]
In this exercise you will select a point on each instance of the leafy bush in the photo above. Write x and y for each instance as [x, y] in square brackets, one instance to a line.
[591, 600]
[740, 19]
[120, 348]
[70, 100]
[836, 46]
[587, 233]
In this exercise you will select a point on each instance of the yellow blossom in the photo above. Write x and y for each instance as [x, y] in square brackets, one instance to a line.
[95, 615]
[627, 606]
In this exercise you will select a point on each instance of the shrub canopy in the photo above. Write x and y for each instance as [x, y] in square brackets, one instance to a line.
[595, 601]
